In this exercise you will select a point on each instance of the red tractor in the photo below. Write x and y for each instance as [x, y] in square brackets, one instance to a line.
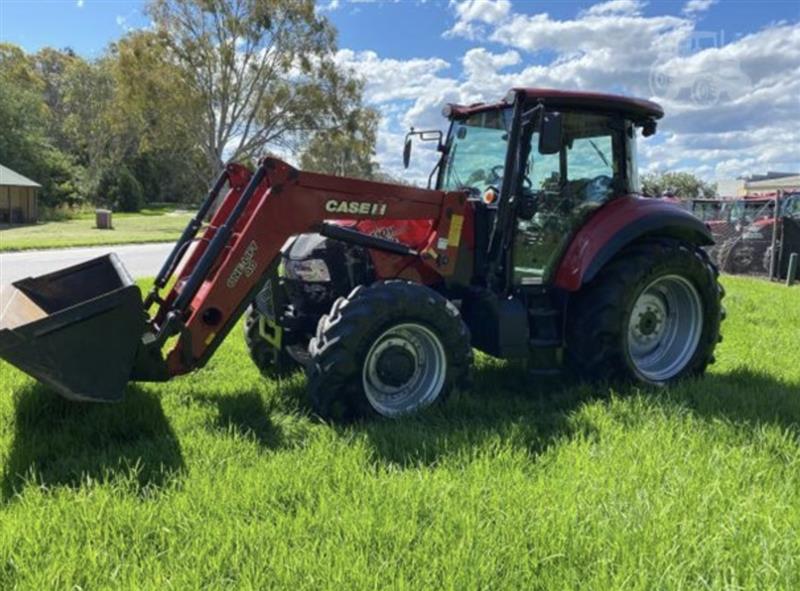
[533, 245]
[745, 239]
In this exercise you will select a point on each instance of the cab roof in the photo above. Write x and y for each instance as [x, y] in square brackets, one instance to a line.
[633, 108]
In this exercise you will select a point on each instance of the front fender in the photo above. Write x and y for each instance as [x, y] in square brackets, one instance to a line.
[617, 224]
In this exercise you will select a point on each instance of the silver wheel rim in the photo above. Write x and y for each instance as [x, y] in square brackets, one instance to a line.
[664, 328]
[421, 353]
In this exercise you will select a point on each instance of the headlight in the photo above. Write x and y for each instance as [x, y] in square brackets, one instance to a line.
[311, 270]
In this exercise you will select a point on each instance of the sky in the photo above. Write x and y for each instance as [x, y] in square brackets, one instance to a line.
[727, 72]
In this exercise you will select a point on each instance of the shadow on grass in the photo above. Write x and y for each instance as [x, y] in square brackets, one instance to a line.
[60, 443]
[507, 405]
[246, 414]
[743, 397]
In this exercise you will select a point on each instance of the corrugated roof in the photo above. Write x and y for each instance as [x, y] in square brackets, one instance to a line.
[9, 178]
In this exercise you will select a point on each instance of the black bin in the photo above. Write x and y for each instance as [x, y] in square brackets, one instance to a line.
[76, 330]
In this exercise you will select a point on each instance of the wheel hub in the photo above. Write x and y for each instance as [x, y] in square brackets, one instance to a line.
[665, 327]
[396, 365]
[404, 370]
[648, 318]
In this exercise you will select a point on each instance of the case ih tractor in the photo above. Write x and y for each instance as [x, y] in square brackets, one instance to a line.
[532, 246]
[745, 241]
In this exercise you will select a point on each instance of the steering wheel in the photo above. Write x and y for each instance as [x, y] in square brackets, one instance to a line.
[495, 174]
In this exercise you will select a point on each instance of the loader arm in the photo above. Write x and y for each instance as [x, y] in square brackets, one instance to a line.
[229, 265]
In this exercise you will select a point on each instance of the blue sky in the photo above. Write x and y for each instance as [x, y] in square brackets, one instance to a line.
[416, 55]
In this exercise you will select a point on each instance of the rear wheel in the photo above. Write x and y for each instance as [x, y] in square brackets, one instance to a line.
[651, 315]
[390, 349]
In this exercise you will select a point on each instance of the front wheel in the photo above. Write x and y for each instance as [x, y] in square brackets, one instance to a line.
[390, 349]
[652, 315]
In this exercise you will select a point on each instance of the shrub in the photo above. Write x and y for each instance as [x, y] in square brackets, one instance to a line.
[120, 190]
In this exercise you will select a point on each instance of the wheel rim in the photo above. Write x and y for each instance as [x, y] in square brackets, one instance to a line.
[404, 370]
[665, 327]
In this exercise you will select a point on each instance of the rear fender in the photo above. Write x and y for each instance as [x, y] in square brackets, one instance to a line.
[618, 224]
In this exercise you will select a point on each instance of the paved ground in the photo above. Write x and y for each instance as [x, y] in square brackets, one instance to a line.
[141, 260]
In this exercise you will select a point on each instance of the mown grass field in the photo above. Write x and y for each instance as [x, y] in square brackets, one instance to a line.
[150, 225]
[223, 480]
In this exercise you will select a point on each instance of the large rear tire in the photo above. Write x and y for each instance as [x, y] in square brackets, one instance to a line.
[391, 349]
[652, 315]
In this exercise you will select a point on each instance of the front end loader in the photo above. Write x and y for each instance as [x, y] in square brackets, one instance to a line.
[533, 245]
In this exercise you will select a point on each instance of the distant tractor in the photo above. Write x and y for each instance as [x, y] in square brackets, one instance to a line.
[533, 245]
[745, 238]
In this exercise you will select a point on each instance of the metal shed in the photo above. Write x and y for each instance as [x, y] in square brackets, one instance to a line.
[19, 198]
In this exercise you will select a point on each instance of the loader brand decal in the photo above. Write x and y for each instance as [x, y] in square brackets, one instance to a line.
[454, 236]
[246, 266]
[355, 207]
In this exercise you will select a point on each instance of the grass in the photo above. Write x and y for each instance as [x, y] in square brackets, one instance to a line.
[223, 480]
[149, 225]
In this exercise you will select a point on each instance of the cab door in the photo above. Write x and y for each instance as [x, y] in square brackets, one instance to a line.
[566, 188]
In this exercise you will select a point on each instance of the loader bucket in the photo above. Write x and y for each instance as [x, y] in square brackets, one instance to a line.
[76, 330]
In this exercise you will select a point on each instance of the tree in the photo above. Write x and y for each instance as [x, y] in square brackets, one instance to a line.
[347, 149]
[53, 68]
[679, 184]
[161, 117]
[263, 72]
[25, 145]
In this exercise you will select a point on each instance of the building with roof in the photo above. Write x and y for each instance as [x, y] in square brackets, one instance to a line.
[19, 198]
[759, 184]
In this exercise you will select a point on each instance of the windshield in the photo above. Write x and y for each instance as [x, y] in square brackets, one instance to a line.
[477, 150]
[590, 166]
[710, 211]
[751, 211]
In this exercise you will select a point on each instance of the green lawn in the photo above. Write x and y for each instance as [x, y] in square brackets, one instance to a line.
[155, 225]
[222, 480]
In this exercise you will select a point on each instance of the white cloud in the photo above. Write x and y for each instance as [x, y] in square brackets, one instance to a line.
[487, 11]
[618, 7]
[750, 85]
[695, 6]
[329, 7]
[480, 63]
[471, 15]
[632, 35]
[390, 79]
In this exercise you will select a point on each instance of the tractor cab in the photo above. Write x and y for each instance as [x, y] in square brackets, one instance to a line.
[544, 161]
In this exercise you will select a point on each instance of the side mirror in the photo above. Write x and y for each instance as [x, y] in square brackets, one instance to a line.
[407, 152]
[550, 133]
[430, 135]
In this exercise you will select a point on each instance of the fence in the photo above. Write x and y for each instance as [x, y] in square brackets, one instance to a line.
[754, 236]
